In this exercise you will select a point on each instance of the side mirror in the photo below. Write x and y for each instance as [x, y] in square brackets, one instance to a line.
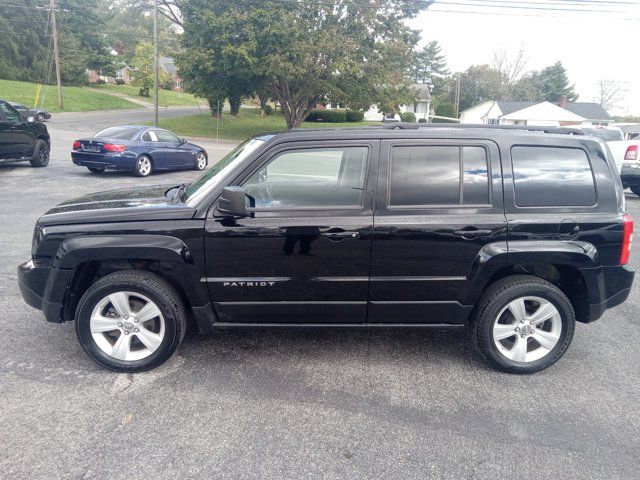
[183, 140]
[232, 203]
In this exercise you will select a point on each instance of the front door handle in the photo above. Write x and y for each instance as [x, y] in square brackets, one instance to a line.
[469, 234]
[338, 234]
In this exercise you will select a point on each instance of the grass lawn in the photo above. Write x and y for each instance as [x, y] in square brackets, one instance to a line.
[166, 98]
[246, 124]
[76, 99]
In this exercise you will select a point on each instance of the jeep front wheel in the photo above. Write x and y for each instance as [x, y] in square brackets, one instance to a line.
[130, 321]
[523, 324]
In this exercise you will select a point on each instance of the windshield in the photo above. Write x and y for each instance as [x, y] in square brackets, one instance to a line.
[122, 133]
[606, 134]
[210, 179]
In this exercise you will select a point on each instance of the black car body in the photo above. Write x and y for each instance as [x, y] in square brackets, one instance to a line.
[361, 228]
[21, 140]
[38, 114]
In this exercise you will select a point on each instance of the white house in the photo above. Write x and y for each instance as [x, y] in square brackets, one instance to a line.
[420, 109]
[537, 113]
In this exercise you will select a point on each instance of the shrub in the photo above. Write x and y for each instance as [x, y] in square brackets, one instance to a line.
[119, 81]
[408, 117]
[100, 82]
[422, 120]
[268, 109]
[446, 109]
[328, 116]
[354, 116]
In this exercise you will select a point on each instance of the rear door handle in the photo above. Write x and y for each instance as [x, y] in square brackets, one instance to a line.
[468, 234]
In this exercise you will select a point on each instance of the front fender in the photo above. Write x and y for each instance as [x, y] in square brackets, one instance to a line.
[168, 256]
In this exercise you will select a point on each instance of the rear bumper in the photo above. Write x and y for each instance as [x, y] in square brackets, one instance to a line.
[125, 161]
[607, 288]
[630, 176]
[44, 288]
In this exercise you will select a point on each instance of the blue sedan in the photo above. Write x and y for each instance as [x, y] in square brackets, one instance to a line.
[137, 149]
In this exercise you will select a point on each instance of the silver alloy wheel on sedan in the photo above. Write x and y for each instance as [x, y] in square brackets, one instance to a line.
[144, 166]
[201, 161]
[527, 329]
[127, 326]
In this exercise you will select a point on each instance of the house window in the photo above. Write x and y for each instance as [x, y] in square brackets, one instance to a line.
[119, 74]
[493, 121]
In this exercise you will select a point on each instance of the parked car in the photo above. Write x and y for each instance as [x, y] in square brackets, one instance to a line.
[137, 149]
[516, 233]
[21, 140]
[38, 114]
[625, 154]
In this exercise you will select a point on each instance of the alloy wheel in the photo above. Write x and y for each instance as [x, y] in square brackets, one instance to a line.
[127, 326]
[527, 329]
[201, 161]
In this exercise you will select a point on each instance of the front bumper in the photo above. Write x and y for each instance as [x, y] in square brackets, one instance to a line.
[125, 161]
[44, 288]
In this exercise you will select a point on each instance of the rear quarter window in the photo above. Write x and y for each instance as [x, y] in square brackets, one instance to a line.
[552, 177]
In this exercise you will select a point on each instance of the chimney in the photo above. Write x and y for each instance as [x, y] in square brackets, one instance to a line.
[562, 101]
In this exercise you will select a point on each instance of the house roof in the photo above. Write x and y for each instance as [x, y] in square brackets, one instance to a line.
[167, 64]
[543, 111]
[423, 91]
[509, 107]
[589, 110]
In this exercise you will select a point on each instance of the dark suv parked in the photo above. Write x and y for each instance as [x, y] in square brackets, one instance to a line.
[21, 140]
[516, 233]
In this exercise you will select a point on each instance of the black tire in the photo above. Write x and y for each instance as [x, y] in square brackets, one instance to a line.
[201, 161]
[143, 166]
[96, 169]
[40, 117]
[496, 297]
[636, 189]
[154, 288]
[40, 156]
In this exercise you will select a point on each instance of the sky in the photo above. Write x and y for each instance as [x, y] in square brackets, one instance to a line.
[593, 39]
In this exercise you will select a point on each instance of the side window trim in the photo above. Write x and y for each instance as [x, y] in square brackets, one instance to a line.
[270, 155]
[435, 206]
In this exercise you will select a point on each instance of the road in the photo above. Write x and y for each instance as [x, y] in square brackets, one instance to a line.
[318, 404]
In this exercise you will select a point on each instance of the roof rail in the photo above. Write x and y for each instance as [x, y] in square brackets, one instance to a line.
[426, 126]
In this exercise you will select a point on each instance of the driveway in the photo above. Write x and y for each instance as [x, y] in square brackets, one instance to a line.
[285, 404]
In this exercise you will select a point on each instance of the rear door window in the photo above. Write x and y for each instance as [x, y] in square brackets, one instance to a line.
[552, 176]
[438, 175]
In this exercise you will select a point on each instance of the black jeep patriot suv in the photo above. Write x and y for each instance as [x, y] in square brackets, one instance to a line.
[517, 233]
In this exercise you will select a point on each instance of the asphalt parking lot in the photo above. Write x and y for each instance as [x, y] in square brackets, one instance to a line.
[274, 404]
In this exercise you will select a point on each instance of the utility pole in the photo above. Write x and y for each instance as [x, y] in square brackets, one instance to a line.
[56, 54]
[155, 62]
[458, 96]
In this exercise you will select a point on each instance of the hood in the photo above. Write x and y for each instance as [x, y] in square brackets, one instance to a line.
[131, 204]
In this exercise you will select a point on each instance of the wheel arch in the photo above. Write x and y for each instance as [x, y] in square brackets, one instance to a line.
[91, 258]
[561, 263]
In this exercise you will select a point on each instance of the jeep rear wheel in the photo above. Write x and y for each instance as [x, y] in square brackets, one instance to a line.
[523, 324]
[40, 156]
[130, 321]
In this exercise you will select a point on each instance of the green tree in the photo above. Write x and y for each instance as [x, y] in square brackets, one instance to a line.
[479, 83]
[143, 64]
[548, 84]
[303, 51]
[428, 63]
